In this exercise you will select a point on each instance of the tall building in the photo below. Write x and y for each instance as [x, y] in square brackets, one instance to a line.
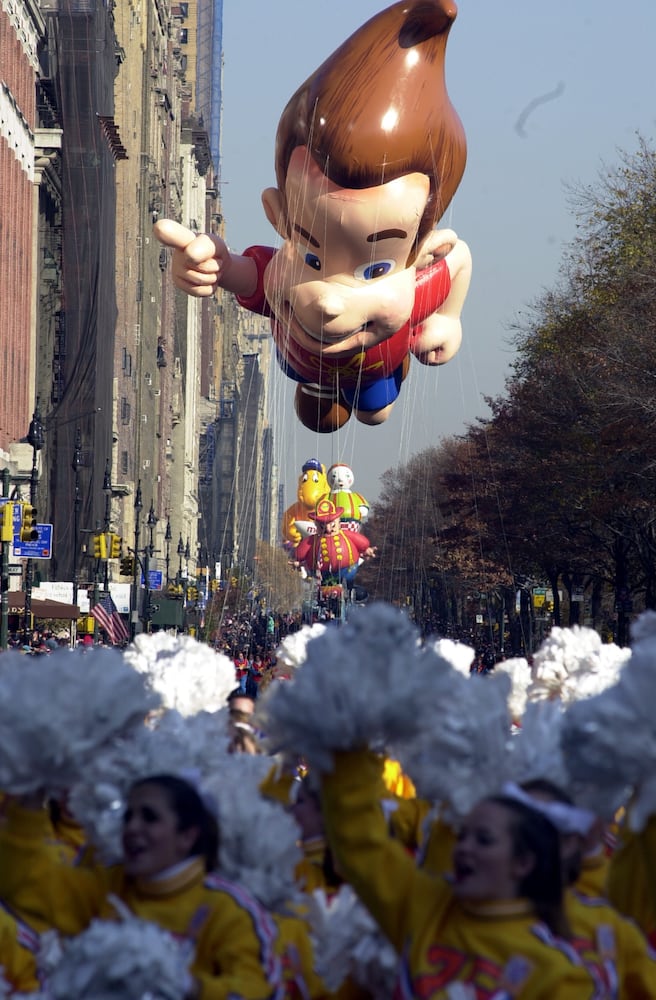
[152, 404]
[22, 29]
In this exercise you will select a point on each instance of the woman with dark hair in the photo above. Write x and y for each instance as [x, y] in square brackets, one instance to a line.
[170, 843]
[611, 945]
[535, 847]
[496, 924]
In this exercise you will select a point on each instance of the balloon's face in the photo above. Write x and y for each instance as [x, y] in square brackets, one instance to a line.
[340, 477]
[312, 485]
[340, 281]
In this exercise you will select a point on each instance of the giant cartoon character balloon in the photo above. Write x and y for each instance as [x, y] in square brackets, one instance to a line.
[312, 485]
[355, 508]
[333, 553]
[369, 153]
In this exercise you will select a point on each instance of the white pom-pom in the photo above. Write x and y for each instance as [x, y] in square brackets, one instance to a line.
[607, 749]
[292, 651]
[643, 803]
[519, 672]
[189, 675]
[536, 750]
[462, 755]
[362, 684]
[643, 629]
[610, 740]
[127, 960]
[347, 943]
[573, 663]
[57, 712]
[457, 654]
[258, 842]
[173, 744]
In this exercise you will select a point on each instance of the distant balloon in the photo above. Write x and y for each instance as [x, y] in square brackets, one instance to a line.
[355, 508]
[333, 554]
[312, 485]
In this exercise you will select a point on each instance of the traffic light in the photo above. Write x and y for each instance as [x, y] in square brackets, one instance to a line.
[192, 593]
[127, 566]
[115, 546]
[7, 522]
[100, 547]
[28, 530]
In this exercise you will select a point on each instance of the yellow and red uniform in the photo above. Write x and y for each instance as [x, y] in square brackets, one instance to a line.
[491, 946]
[594, 873]
[613, 947]
[233, 937]
[631, 881]
[17, 947]
[294, 948]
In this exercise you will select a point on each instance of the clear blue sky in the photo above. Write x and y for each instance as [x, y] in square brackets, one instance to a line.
[596, 58]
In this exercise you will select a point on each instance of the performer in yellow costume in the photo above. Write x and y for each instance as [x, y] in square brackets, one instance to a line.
[496, 929]
[169, 847]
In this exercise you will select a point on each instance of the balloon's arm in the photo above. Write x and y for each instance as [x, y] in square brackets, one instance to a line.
[201, 264]
[441, 334]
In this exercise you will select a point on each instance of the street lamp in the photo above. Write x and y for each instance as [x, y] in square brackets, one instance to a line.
[107, 490]
[77, 500]
[35, 439]
[149, 549]
[167, 538]
[138, 507]
[187, 555]
[180, 551]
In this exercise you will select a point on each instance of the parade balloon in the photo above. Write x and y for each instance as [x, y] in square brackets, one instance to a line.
[333, 554]
[369, 153]
[312, 486]
[354, 506]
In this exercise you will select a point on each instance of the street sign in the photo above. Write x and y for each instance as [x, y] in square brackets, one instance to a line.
[40, 548]
[154, 579]
[14, 569]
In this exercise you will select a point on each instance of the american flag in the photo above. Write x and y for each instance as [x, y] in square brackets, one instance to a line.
[106, 614]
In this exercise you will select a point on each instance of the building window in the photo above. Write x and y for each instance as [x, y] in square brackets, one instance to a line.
[125, 463]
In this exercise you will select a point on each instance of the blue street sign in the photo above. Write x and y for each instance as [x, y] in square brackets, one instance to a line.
[40, 548]
[155, 577]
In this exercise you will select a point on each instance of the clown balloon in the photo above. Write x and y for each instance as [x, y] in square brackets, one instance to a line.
[333, 553]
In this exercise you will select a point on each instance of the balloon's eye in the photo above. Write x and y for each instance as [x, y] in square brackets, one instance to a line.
[308, 257]
[312, 261]
[375, 269]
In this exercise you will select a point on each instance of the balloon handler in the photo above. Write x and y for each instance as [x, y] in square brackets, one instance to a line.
[369, 153]
[333, 554]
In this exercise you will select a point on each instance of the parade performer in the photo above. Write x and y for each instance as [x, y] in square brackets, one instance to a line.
[334, 554]
[498, 927]
[369, 153]
[167, 876]
[500, 924]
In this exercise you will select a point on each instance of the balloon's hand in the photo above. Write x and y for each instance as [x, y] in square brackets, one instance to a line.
[437, 244]
[203, 263]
